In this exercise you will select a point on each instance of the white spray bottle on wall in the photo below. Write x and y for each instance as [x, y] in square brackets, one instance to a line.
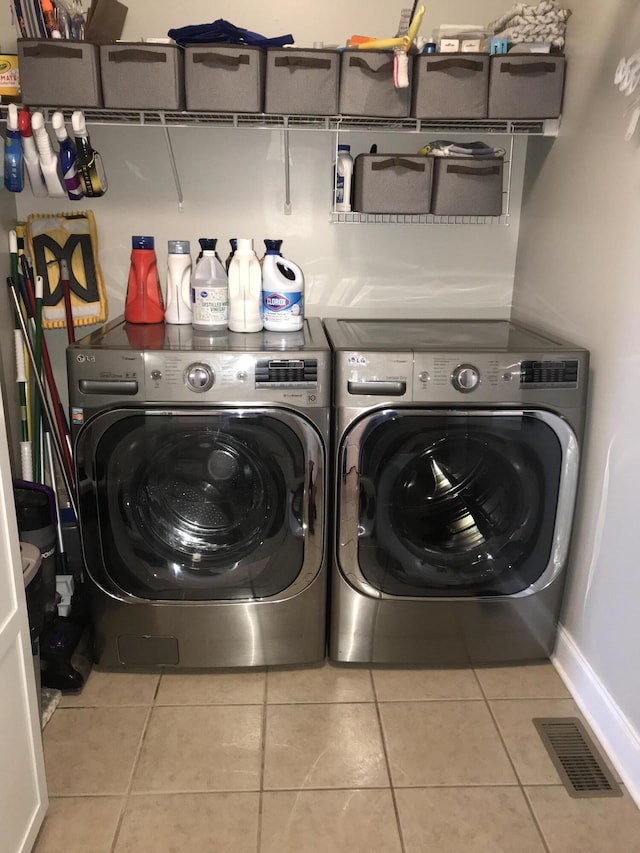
[48, 160]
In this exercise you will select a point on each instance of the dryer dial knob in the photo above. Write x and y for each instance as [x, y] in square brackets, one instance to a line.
[465, 378]
[200, 377]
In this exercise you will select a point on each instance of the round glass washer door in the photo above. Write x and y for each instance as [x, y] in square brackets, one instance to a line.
[184, 506]
[203, 496]
[455, 504]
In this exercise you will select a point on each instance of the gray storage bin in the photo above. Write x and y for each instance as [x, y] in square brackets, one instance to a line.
[526, 86]
[392, 183]
[366, 85]
[450, 86]
[466, 187]
[59, 73]
[224, 78]
[301, 82]
[142, 76]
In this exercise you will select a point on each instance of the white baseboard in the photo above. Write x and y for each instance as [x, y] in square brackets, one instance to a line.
[614, 731]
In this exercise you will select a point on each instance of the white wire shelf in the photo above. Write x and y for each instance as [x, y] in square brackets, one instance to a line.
[266, 121]
[168, 119]
[414, 219]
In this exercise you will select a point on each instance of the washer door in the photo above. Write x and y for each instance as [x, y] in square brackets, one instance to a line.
[436, 504]
[222, 505]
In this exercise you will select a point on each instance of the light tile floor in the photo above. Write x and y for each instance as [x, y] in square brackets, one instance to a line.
[319, 759]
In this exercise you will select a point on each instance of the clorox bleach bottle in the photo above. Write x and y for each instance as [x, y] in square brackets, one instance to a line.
[245, 289]
[178, 308]
[282, 291]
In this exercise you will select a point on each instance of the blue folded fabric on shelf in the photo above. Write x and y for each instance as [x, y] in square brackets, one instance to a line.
[222, 32]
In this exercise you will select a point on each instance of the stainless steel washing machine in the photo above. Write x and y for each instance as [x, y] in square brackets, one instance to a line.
[201, 465]
[457, 454]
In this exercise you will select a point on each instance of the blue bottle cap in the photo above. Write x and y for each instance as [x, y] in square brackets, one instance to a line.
[208, 243]
[234, 243]
[142, 243]
[344, 148]
[179, 247]
[273, 246]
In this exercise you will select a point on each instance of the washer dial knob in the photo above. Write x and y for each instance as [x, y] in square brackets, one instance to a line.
[200, 377]
[465, 378]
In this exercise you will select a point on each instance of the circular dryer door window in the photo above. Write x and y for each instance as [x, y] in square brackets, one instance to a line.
[198, 507]
[457, 504]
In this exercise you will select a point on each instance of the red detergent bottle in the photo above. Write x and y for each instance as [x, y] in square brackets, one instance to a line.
[144, 297]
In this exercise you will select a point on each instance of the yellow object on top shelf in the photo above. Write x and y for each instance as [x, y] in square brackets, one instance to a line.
[403, 42]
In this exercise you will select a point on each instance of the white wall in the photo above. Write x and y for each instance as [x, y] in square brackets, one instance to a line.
[233, 182]
[578, 272]
[329, 21]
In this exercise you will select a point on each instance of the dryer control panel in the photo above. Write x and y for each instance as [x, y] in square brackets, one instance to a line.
[460, 378]
[477, 378]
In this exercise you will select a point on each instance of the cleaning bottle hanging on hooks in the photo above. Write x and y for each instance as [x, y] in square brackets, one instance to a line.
[13, 160]
[30, 154]
[67, 158]
[89, 161]
[48, 160]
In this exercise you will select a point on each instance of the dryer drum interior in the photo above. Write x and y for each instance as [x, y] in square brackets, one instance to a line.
[454, 506]
[200, 508]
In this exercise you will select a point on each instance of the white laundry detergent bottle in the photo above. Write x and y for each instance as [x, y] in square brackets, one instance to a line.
[210, 290]
[178, 308]
[343, 176]
[282, 291]
[245, 289]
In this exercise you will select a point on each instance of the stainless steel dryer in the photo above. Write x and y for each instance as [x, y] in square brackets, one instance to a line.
[458, 444]
[201, 464]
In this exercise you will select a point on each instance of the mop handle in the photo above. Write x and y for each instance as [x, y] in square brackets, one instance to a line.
[66, 295]
[58, 443]
[60, 419]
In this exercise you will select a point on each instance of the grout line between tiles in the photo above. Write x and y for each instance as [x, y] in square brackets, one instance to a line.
[511, 762]
[298, 790]
[157, 690]
[263, 750]
[529, 803]
[125, 799]
[161, 792]
[387, 762]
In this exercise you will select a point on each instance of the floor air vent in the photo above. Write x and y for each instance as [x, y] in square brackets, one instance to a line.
[575, 757]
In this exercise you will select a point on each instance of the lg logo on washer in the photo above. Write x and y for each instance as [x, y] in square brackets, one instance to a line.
[356, 359]
[82, 358]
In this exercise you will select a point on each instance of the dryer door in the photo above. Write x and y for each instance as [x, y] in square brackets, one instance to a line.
[201, 505]
[439, 503]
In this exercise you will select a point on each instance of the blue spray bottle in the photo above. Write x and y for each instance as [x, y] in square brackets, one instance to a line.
[67, 156]
[13, 162]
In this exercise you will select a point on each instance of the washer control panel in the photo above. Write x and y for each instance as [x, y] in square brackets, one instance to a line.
[199, 377]
[227, 377]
